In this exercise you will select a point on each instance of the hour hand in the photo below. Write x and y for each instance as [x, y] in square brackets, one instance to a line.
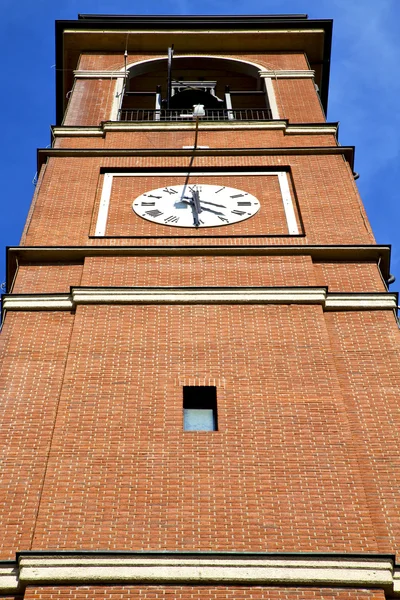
[195, 205]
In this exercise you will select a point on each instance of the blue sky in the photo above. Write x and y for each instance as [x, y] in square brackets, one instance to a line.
[364, 93]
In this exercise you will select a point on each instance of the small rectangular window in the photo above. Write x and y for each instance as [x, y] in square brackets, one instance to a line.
[200, 408]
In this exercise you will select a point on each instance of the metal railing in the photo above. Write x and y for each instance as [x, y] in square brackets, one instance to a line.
[211, 114]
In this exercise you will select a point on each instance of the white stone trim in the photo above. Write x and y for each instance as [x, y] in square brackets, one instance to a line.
[104, 205]
[8, 578]
[118, 96]
[270, 91]
[365, 301]
[195, 295]
[228, 570]
[81, 74]
[198, 296]
[286, 74]
[175, 126]
[78, 132]
[109, 127]
[287, 202]
[37, 302]
[309, 130]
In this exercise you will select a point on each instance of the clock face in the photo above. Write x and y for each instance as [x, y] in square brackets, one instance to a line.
[196, 205]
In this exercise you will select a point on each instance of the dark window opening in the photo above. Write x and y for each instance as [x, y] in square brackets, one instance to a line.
[200, 408]
[227, 89]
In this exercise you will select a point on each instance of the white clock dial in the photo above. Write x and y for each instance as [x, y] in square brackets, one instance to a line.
[196, 205]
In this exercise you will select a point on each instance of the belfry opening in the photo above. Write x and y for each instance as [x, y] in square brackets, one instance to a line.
[228, 89]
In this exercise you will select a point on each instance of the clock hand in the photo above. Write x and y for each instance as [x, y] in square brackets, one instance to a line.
[213, 203]
[190, 201]
[216, 212]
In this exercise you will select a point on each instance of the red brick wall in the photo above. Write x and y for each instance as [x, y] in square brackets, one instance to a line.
[220, 138]
[199, 271]
[349, 277]
[123, 474]
[366, 349]
[33, 349]
[298, 101]
[43, 278]
[125, 190]
[91, 100]
[66, 208]
[114, 61]
[154, 592]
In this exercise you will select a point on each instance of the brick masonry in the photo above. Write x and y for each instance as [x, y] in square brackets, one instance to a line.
[199, 593]
[95, 456]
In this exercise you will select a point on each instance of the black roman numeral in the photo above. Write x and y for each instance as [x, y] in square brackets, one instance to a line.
[170, 190]
[148, 204]
[238, 195]
[223, 219]
[154, 213]
[171, 219]
[238, 212]
[244, 203]
[152, 196]
[220, 190]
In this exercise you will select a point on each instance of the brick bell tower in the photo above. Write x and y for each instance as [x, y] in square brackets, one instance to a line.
[200, 354]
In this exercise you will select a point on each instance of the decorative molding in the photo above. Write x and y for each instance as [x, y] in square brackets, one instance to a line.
[196, 295]
[300, 570]
[324, 128]
[282, 74]
[8, 577]
[37, 302]
[213, 570]
[112, 126]
[365, 301]
[78, 131]
[100, 74]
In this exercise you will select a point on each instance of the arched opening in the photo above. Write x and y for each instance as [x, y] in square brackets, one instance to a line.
[227, 89]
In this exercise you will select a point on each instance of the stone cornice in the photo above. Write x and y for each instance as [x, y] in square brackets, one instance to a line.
[118, 126]
[86, 568]
[200, 295]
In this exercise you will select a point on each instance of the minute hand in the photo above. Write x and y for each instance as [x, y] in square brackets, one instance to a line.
[212, 203]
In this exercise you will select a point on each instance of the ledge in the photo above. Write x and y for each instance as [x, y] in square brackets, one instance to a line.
[278, 74]
[127, 126]
[9, 577]
[81, 74]
[294, 74]
[195, 295]
[85, 568]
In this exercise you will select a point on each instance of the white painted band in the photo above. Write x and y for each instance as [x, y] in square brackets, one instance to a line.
[315, 296]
